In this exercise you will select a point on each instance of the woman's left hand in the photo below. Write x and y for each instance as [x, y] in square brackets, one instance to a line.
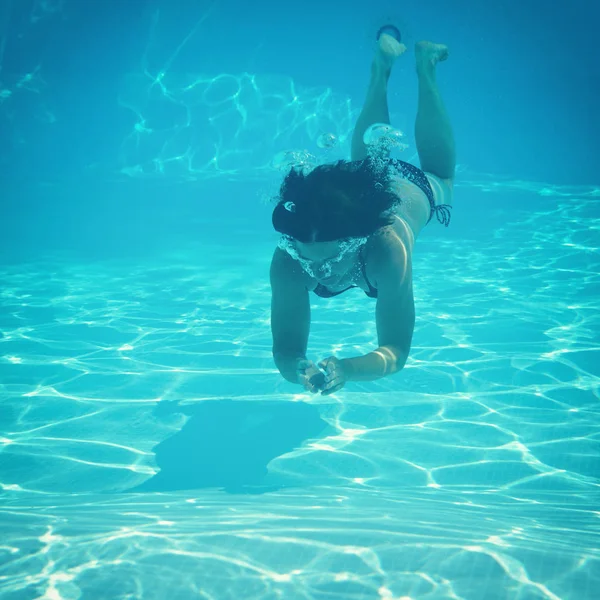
[335, 375]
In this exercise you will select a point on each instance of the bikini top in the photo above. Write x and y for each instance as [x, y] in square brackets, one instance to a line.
[324, 292]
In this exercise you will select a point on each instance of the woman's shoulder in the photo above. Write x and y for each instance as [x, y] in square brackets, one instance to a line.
[398, 235]
[284, 269]
[389, 246]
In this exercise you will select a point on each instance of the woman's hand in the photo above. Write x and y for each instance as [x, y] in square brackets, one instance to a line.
[335, 375]
[310, 376]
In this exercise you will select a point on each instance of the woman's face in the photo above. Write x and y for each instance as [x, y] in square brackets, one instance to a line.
[327, 262]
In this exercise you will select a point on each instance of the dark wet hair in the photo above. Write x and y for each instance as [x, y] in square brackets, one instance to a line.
[334, 201]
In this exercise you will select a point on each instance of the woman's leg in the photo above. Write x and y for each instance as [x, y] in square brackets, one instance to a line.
[433, 133]
[375, 108]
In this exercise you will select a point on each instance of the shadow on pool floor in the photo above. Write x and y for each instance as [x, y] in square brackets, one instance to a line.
[228, 444]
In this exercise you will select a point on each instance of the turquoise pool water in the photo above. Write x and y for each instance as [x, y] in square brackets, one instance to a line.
[150, 450]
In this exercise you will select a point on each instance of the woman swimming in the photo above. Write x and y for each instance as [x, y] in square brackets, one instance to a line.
[354, 224]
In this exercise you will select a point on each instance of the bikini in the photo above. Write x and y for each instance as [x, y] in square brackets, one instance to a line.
[324, 292]
[442, 211]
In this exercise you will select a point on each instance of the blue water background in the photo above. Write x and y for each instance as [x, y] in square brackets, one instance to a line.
[520, 87]
[136, 141]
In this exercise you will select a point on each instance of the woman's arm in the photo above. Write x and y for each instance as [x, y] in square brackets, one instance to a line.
[395, 315]
[290, 314]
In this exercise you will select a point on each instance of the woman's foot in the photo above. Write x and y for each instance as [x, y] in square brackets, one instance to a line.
[429, 55]
[388, 50]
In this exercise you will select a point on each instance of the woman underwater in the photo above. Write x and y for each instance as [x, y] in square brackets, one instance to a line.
[354, 224]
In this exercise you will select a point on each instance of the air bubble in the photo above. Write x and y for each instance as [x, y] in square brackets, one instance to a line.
[327, 140]
[289, 159]
[384, 137]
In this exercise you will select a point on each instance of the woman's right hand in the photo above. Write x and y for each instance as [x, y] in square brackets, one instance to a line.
[310, 376]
